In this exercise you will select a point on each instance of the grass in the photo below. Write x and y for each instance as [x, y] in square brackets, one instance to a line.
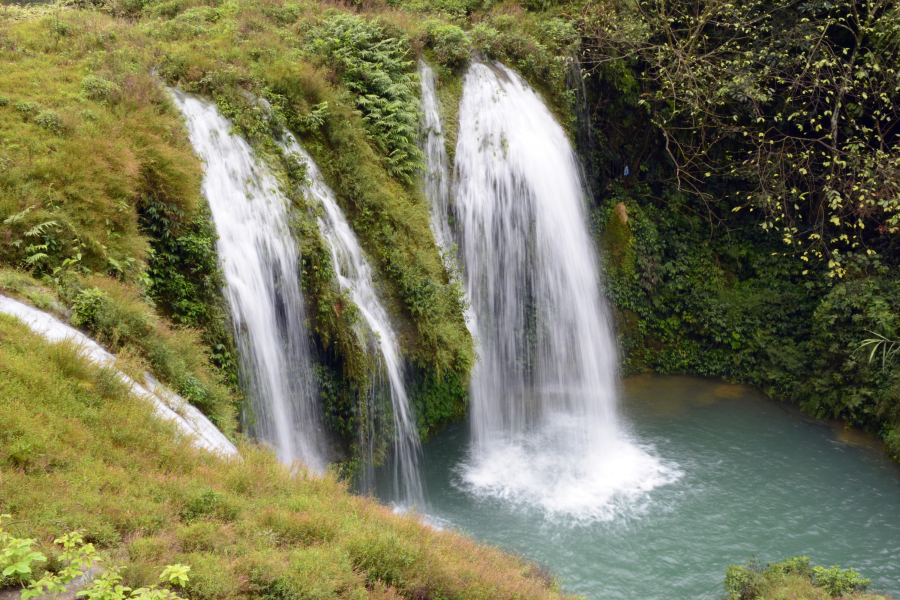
[116, 315]
[79, 453]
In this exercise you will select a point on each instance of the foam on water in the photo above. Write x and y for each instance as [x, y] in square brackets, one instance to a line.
[537, 469]
[544, 418]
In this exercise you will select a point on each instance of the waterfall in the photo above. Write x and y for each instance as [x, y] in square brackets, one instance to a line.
[260, 262]
[354, 274]
[545, 426]
[437, 171]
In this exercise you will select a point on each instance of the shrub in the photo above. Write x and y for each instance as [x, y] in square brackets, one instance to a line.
[892, 443]
[49, 120]
[28, 108]
[742, 582]
[99, 89]
[207, 504]
[450, 43]
[793, 566]
[838, 582]
[375, 67]
[485, 39]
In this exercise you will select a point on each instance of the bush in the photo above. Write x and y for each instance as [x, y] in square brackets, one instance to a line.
[793, 577]
[28, 108]
[450, 43]
[99, 89]
[742, 582]
[49, 120]
[892, 444]
[838, 582]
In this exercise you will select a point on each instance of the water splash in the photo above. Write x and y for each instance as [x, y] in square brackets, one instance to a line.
[355, 275]
[260, 261]
[545, 427]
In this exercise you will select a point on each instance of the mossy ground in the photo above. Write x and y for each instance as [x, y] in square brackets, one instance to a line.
[77, 452]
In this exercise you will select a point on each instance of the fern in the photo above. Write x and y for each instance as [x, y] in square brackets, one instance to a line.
[375, 68]
[41, 229]
[17, 217]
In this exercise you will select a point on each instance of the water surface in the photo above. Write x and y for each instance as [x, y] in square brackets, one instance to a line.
[755, 480]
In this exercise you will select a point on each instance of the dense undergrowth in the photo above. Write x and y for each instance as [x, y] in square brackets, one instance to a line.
[760, 193]
[78, 452]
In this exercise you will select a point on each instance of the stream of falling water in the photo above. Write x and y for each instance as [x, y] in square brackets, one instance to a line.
[545, 426]
[437, 169]
[260, 261]
[355, 275]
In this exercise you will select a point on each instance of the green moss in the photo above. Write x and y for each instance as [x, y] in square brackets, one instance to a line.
[617, 241]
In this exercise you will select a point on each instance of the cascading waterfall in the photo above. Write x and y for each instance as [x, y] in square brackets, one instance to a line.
[545, 428]
[260, 262]
[355, 275]
[437, 170]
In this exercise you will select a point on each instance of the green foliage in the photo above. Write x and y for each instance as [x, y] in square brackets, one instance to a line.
[726, 303]
[450, 43]
[49, 120]
[892, 443]
[742, 582]
[185, 280]
[375, 67]
[76, 560]
[792, 578]
[99, 89]
[16, 557]
[438, 400]
[208, 503]
[784, 102]
[838, 582]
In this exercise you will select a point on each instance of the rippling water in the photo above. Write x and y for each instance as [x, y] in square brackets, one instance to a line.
[756, 479]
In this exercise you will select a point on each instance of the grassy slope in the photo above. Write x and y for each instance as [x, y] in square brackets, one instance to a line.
[77, 452]
[87, 161]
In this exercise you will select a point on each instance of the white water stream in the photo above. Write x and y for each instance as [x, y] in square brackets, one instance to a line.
[169, 405]
[437, 169]
[355, 275]
[260, 261]
[545, 427]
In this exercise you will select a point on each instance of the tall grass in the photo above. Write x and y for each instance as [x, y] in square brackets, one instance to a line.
[76, 454]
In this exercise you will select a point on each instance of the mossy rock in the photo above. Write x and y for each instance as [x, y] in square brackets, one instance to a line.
[617, 240]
